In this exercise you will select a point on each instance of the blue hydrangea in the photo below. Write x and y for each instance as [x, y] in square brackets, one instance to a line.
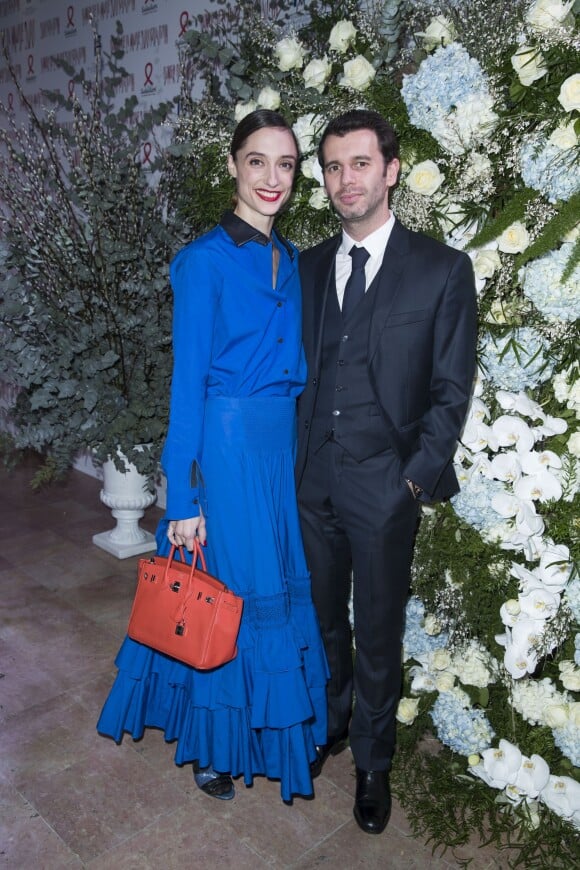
[512, 372]
[473, 502]
[541, 282]
[577, 650]
[550, 169]
[416, 641]
[444, 80]
[572, 597]
[567, 739]
[465, 731]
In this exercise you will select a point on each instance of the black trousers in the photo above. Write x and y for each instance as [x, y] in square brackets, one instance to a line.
[359, 519]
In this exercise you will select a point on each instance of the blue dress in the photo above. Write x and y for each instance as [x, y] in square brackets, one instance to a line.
[238, 369]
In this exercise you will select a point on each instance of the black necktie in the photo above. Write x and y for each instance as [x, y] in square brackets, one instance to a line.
[356, 284]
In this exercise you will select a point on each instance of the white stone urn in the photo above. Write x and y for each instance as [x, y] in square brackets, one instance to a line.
[127, 495]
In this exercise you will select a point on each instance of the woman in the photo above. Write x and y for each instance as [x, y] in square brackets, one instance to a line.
[229, 461]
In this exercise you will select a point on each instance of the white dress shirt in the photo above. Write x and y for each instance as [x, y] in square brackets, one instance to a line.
[375, 244]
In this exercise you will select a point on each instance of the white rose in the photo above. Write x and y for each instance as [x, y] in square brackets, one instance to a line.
[485, 262]
[358, 73]
[311, 168]
[556, 715]
[571, 680]
[268, 98]
[439, 32]
[444, 681]
[316, 73]
[407, 710]
[514, 239]
[573, 234]
[289, 54]
[573, 444]
[529, 64]
[440, 659]
[243, 109]
[431, 625]
[342, 36]
[307, 129]
[569, 96]
[318, 199]
[425, 178]
[547, 14]
[564, 137]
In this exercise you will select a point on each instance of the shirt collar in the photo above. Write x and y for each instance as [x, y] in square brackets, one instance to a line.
[242, 232]
[375, 243]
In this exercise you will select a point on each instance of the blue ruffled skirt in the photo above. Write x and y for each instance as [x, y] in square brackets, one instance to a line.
[265, 711]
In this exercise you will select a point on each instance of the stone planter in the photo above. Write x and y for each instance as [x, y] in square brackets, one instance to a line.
[128, 497]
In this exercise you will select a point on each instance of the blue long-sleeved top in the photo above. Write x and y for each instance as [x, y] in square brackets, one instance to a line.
[233, 335]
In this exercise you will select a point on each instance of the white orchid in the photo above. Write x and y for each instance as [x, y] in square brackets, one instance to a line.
[543, 486]
[520, 403]
[533, 775]
[512, 431]
[562, 796]
[478, 436]
[506, 466]
[534, 461]
[509, 612]
[539, 602]
[502, 763]
[555, 567]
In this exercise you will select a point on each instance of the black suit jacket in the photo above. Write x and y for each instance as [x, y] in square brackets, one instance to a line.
[421, 350]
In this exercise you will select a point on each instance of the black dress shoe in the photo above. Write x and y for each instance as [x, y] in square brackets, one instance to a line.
[332, 747]
[372, 806]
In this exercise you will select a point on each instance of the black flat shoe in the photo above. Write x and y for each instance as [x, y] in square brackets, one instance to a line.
[216, 785]
[334, 746]
[372, 806]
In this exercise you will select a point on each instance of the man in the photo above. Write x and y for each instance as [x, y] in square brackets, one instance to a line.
[390, 333]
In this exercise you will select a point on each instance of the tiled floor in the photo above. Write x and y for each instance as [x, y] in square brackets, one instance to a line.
[72, 799]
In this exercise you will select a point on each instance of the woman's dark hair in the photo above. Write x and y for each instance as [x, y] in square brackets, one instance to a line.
[258, 120]
[363, 119]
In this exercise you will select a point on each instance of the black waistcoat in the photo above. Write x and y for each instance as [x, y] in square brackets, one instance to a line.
[346, 409]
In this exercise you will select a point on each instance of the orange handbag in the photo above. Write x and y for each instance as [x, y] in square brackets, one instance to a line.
[184, 612]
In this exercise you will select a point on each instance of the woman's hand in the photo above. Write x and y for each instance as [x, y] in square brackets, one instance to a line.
[182, 533]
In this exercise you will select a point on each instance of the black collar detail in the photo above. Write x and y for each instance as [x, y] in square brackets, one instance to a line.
[242, 232]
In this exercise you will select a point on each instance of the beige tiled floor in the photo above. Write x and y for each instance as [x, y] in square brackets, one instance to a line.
[72, 799]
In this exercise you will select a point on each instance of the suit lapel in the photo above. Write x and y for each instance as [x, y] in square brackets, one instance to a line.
[323, 282]
[390, 283]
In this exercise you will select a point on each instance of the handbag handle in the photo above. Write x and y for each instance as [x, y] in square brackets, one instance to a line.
[196, 554]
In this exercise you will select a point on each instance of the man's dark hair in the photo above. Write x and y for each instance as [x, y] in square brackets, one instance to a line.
[363, 119]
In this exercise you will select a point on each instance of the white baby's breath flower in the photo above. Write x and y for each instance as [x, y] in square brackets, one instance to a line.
[425, 178]
[357, 74]
[514, 239]
[342, 36]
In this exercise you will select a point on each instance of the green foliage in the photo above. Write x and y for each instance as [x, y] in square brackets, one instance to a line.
[86, 304]
[448, 807]
[505, 213]
[563, 222]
